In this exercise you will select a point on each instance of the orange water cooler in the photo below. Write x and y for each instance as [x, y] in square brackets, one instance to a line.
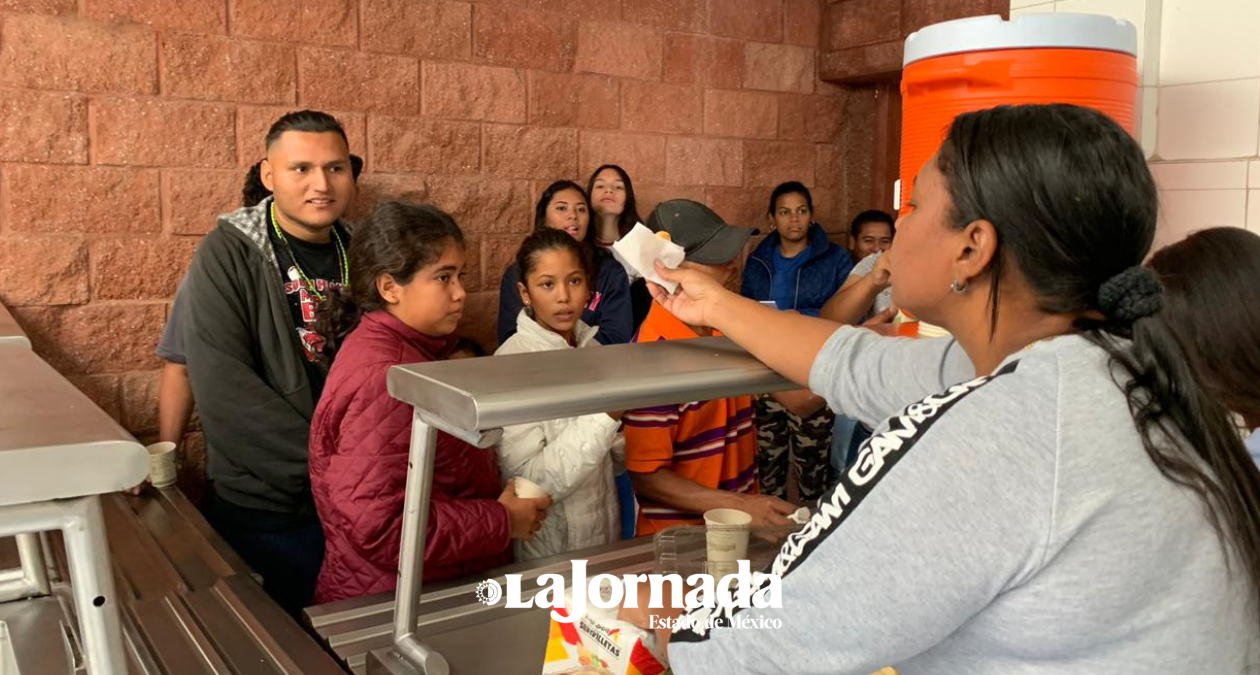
[982, 62]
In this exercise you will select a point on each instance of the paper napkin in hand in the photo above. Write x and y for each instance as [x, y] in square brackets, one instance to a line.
[640, 249]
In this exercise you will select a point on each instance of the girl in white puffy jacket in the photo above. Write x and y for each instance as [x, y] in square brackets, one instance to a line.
[569, 458]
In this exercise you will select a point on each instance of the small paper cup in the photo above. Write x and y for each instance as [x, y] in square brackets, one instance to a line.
[528, 489]
[162, 472]
[726, 539]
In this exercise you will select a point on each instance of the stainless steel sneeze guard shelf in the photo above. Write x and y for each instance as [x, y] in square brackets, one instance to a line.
[10, 332]
[473, 399]
[486, 394]
[48, 427]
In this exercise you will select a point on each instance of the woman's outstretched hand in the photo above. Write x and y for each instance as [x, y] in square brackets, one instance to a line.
[695, 298]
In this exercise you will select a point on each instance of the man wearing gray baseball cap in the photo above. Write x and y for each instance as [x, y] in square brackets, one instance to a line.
[685, 459]
[705, 237]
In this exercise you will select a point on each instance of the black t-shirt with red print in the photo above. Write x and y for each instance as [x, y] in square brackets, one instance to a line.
[322, 265]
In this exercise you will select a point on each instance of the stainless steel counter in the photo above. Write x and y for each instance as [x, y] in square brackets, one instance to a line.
[460, 627]
[188, 603]
[153, 590]
[58, 454]
[442, 629]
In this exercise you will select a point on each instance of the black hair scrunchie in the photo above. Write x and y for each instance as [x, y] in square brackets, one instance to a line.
[1133, 294]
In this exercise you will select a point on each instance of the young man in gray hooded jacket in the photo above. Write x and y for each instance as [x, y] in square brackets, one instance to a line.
[254, 359]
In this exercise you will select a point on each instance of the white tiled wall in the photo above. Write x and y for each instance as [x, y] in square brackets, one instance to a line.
[1201, 175]
[1185, 211]
[1199, 105]
[1213, 120]
[1209, 41]
[1148, 118]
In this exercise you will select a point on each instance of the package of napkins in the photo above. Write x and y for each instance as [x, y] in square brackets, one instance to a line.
[600, 643]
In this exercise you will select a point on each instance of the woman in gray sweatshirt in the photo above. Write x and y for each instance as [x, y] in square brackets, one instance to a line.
[1084, 507]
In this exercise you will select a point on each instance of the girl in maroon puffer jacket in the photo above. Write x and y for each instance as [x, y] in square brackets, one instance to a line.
[402, 306]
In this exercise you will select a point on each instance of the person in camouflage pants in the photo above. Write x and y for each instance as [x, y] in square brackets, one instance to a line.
[784, 436]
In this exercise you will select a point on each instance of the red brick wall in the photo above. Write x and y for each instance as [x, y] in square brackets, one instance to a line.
[126, 125]
[863, 40]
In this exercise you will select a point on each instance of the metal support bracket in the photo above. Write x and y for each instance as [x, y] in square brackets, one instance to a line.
[82, 527]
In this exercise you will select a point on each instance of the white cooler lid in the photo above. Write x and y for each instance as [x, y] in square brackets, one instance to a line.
[982, 33]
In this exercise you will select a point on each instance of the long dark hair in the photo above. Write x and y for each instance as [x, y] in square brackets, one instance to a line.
[253, 191]
[1212, 305]
[630, 215]
[398, 239]
[1074, 207]
[544, 200]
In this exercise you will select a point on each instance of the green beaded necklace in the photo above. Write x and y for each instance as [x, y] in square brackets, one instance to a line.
[343, 265]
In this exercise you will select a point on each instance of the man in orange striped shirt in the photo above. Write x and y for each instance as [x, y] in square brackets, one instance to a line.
[688, 458]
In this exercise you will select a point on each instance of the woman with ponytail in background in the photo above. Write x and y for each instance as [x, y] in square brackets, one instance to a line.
[1212, 305]
[403, 304]
[1086, 506]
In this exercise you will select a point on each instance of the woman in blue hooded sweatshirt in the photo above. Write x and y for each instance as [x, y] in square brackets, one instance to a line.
[797, 268]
